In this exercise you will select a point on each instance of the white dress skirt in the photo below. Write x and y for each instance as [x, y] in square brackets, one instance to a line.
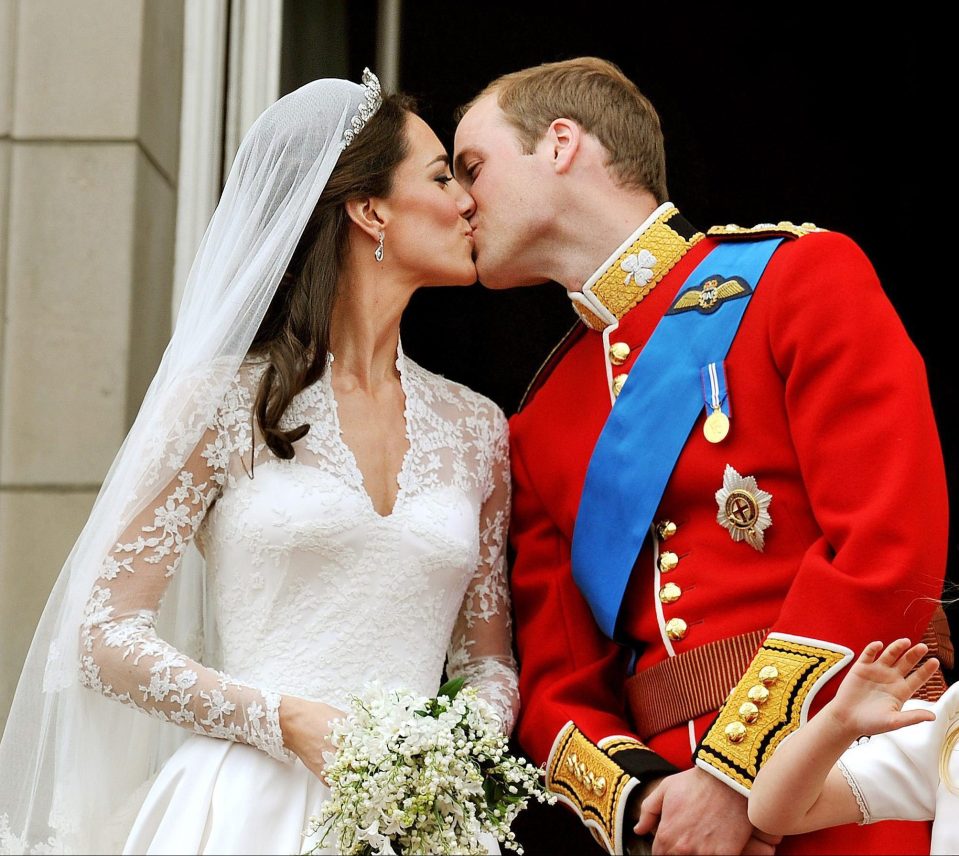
[194, 805]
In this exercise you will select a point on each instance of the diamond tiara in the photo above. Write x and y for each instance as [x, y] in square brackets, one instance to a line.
[372, 99]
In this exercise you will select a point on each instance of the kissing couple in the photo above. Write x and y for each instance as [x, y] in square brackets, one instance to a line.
[706, 517]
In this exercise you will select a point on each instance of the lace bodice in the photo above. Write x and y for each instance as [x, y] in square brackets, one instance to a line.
[313, 592]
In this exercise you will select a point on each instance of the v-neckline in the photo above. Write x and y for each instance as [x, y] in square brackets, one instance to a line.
[357, 473]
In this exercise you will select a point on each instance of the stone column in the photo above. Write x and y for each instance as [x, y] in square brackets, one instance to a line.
[89, 137]
[6, 97]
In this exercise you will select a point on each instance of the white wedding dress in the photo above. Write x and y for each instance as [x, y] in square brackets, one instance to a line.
[313, 594]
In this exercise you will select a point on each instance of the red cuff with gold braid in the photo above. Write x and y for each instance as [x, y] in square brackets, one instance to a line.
[596, 781]
[770, 702]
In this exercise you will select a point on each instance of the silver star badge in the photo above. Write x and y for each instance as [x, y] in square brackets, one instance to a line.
[743, 508]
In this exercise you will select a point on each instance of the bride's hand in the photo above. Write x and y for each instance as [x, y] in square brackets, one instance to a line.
[306, 727]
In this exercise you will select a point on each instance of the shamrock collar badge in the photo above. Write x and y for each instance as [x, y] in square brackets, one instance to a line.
[743, 508]
[638, 267]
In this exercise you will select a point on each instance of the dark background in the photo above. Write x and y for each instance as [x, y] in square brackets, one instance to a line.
[816, 117]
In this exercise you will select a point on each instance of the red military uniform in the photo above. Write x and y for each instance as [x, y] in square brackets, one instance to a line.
[830, 415]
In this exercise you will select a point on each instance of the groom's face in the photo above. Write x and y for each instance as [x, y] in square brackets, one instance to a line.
[507, 186]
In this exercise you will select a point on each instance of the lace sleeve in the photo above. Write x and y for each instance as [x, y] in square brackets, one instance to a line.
[481, 649]
[122, 656]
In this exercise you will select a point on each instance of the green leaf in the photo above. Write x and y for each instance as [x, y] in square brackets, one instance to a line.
[451, 688]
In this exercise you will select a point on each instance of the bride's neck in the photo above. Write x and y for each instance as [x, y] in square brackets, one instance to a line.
[365, 330]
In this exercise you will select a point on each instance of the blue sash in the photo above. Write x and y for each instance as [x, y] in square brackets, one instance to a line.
[647, 429]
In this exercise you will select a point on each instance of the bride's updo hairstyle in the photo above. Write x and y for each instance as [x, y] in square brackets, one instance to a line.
[294, 337]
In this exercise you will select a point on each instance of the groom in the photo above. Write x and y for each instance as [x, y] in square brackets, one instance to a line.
[727, 477]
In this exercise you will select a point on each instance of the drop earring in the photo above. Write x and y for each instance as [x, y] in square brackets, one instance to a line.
[378, 255]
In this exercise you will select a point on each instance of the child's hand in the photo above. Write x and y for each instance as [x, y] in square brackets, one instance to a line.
[870, 698]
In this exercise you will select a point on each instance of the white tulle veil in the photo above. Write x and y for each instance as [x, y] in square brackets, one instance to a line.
[74, 766]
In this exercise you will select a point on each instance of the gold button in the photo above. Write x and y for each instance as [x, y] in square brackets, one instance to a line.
[670, 593]
[665, 529]
[748, 712]
[668, 561]
[758, 694]
[618, 353]
[599, 786]
[618, 382]
[675, 629]
[735, 732]
[768, 675]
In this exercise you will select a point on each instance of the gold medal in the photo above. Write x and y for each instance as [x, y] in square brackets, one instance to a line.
[716, 426]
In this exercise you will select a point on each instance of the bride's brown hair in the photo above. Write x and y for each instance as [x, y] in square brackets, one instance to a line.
[294, 336]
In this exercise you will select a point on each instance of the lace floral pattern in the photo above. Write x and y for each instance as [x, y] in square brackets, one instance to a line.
[312, 590]
[11, 843]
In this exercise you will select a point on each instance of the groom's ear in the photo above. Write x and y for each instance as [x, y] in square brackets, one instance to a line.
[563, 137]
[366, 213]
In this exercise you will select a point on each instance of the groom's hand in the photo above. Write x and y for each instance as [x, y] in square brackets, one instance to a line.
[693, 812]
[634, 843]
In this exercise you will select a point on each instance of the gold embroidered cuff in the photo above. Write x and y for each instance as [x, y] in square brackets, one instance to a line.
[769, 703]
[587, 779]
[612, 746]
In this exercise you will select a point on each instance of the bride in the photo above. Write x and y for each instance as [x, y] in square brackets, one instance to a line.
[280, 526]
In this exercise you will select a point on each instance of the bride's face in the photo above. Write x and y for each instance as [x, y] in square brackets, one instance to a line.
[427, 233]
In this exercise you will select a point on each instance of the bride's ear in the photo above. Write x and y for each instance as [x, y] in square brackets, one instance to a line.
[365, 213]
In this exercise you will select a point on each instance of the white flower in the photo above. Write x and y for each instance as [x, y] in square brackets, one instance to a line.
[408, 775]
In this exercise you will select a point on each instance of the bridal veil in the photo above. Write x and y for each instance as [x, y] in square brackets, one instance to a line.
[74, 765]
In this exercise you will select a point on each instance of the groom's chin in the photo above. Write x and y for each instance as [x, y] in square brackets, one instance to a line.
[503, 280]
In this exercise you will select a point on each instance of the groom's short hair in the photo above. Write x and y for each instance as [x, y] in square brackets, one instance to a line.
[602, 100]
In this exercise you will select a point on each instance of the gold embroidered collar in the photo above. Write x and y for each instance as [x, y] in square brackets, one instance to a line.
[635, 268]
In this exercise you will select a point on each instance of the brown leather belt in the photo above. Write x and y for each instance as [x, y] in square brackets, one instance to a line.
[698, 681]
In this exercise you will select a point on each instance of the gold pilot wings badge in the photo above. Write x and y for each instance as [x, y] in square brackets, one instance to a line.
[743, 508]
[710, 294]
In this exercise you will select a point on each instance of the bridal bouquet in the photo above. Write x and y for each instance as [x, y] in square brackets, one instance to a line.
[422, 775]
